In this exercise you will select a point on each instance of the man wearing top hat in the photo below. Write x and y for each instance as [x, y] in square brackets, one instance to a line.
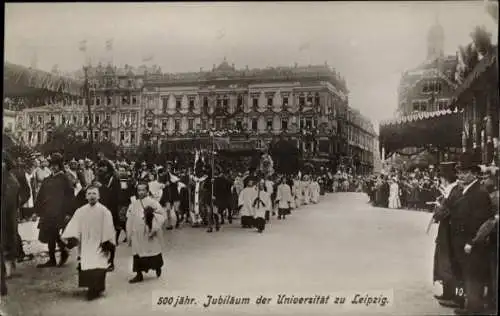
[472, 210]
[445, 264]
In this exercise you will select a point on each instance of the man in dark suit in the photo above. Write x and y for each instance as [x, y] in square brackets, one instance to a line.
[473, 209]
[53, 204]
[445, 264]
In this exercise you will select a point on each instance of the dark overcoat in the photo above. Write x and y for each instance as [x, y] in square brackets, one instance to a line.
[445, 263]
[472, 210]
[54, 201]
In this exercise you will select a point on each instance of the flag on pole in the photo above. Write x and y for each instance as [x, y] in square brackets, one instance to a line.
[83, 46]
[304, 46]
[109, 44]
[147, 58]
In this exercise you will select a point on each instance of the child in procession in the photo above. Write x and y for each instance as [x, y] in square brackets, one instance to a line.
[145, 218]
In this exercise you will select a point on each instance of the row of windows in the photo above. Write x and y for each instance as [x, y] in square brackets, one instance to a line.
[431, 87]
[96, 118]
[224, 102]
[423, 105]
[125, 100]
[104, 135]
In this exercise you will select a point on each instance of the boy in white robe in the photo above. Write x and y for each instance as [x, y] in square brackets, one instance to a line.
[245, 203]
[315, 191]
[145, 218]
[284, 199]
[91, 227]
[261, 205]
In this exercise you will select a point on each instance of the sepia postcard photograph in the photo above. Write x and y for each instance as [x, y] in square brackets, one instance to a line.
[250, 158]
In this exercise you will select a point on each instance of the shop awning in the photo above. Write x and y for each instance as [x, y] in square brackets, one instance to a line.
[20, 81]
[439, 128]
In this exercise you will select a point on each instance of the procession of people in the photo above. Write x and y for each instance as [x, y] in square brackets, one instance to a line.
[86, 205]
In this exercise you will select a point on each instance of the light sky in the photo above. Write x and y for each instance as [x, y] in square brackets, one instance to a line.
[369, 43]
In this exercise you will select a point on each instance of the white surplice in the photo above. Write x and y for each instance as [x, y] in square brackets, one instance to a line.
[315, 191]
[91, 225]
[245, 200]
[284, 196]
[139, 233]
[260, 208]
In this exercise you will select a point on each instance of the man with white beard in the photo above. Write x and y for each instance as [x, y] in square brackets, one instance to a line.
[92, 229]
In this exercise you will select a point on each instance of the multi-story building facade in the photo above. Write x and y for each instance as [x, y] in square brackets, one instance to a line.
[307, 105]
[361, 141]
[115, 102]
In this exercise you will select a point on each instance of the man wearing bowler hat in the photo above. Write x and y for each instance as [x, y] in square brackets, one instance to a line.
[472, 210]
[445, 264]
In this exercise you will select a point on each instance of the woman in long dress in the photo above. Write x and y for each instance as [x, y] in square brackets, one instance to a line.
[394, 201]
[315, 191]
[145, 218]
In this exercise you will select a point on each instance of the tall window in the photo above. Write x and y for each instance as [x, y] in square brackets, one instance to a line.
[30, 136]
[205, 103]
[269, 101]
[239, 124]
[98, 101]
[164, 104]
[122, 136]
[190, 124]
[85, 119]
[302, 101]
[203, 124]
[191, 104]
[31, 119]
[316, 99]
[164, 125]
[134, 117]
[85, 135]
[108, 117]
[225, 102]
[109, 100]
[39, 137]
[240, 102]
[255, 103]
[219, 103]
[132, 137]
[106, 134]
[52, 118]
[96, 118]
[285, 101]
[40, 119]
[269, 123]
[254, 124]
[177, 125]
[177, 104]
[96, 136]
[284, 124]
[134, 100]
